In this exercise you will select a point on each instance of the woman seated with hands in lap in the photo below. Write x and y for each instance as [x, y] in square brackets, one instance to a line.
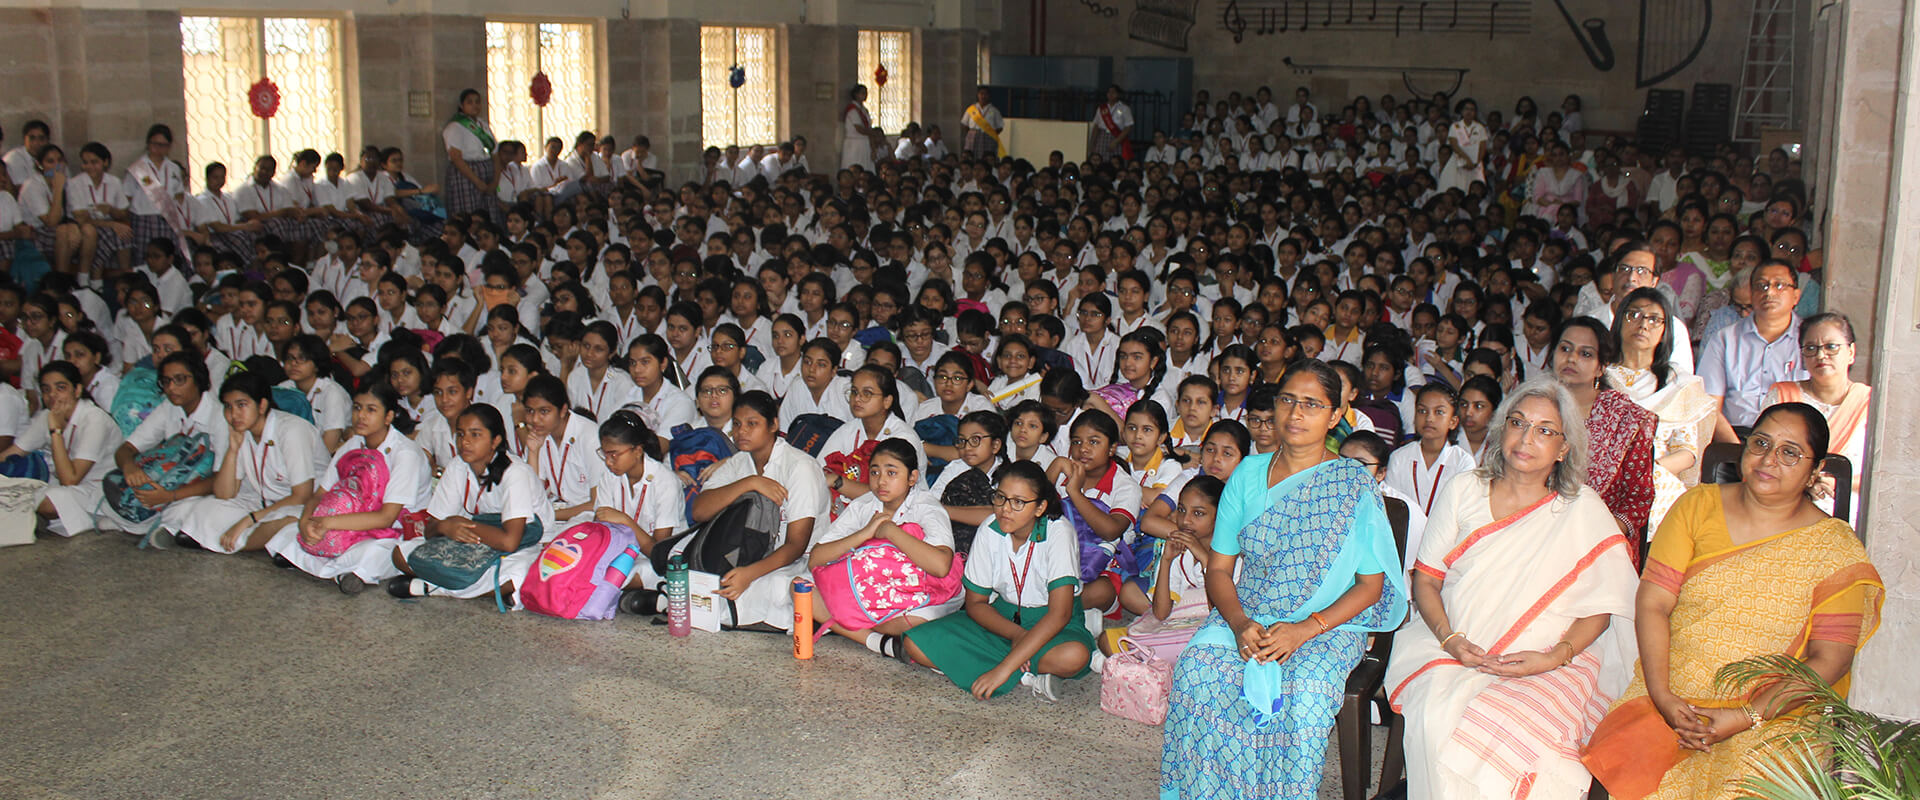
[1524, 589]
[1737, 570]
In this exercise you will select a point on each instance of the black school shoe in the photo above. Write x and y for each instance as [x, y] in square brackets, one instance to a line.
[644, 602]
[281, 561]
[350, 584]
[401, 587]
[186, 542]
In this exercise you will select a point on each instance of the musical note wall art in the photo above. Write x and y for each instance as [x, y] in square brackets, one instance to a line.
[1244, 18]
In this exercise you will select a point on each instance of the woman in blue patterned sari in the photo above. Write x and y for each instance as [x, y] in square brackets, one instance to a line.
[1255, 693]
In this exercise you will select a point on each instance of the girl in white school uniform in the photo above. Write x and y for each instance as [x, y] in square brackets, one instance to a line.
[1023, 624]
[191, 410]
[600, 383]
[762, 592]
[77, 438]
[98, 203]
[881, 517]
[306, 362]
[1093, 348]
[562, 443]
[1018, 381]
[379, 424]
[1091, 476]
[657, 394]
[819, 387]
[637, 489]
[874, 398]
[89, 352]
[265, 479]
[487, 499]
[782, 366]
[1418, 469]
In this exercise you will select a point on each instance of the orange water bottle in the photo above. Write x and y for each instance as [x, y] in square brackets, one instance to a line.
[802, 618]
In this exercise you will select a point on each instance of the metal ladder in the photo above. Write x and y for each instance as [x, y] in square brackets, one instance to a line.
[1766, 71]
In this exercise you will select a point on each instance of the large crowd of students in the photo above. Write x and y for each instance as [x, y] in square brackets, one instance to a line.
[1243, 398]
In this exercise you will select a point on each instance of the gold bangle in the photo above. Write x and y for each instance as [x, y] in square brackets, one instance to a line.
[1752, 715]
[1443, 642]
[1571, 651]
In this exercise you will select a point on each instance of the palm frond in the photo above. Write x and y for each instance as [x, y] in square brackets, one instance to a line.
[1832, 751]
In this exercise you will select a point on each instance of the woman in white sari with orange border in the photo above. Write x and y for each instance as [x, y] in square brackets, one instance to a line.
[1524, 635]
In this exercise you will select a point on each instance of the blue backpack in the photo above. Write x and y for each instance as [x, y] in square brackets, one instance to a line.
[174, 463]
[692, 450]
[139, 394]
[292, 401]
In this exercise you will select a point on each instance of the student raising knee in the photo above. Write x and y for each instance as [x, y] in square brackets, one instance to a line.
[1022, 623]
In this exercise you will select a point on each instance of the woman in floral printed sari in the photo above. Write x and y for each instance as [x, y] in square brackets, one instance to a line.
[1256, 690]
[1619, 431]
[1737, 570]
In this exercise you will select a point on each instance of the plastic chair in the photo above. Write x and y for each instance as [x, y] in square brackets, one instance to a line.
[1364, 683]
[1720, 463]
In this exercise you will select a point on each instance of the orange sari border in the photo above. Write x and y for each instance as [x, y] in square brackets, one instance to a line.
[1393, 698]
[1560, 587]
[1494, 527]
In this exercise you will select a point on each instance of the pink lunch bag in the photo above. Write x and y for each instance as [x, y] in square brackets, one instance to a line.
[1135, 684]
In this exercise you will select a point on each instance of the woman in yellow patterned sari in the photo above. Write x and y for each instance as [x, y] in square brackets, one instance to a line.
[1737, 570]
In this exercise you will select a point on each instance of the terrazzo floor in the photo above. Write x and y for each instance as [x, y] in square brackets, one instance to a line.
[180, 674]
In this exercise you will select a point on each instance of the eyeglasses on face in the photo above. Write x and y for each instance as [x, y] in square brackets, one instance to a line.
[1520, 426]
[1759, 445]
[1002, 500]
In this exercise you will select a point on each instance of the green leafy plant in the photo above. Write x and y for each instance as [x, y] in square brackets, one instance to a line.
[1835, 752]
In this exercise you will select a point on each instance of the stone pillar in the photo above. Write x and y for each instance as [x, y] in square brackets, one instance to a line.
[1880, 84]
[949, 71]
[441, 55]
[627, 80]
[1861, 134]
[669, 73]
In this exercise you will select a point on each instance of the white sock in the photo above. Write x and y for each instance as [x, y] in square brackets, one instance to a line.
[874, 640]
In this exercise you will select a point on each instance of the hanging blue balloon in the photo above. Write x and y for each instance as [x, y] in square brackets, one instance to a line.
[737, 77]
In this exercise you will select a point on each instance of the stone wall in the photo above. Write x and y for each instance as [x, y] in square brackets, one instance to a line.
[1535, 54]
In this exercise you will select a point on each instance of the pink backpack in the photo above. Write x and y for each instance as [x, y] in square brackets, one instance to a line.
[361, 489]
[877, 582]
[1135, 684]
[581, 573]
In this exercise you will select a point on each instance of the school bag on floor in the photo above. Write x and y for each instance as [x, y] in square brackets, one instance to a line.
[877, 582]
[361, 489]
[1135, 684]
[453, 565]
[139, 394]
[175, 462]
[581, 573]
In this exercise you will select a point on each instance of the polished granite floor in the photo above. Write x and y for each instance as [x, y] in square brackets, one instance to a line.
[178, 674]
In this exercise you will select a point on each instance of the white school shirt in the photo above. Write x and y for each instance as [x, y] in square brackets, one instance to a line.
[209, 207]
[298, 190]
[36, 200]
[569, 465]
[20, 165]
[13, 412]
[593, 166]
[670, 407]
[102, 388]
[1117, 488]
[602, 399]
[920, 507]
[435, 437]
[327, 194]
[138, 201]
[800, 400]
[853, 435]
[970, 403]
[409, 476]
[517, 496]
[655, 501]
[1416, 522]
[332, 406]
[90, 435]
[263, 199]
[34, 355]
[651, 162]
[1024, 575]
[790, 467]
[457, 137]
[374, 190]
[514, 178]
[1006, 392]
[1094, 362]
[168, 420]
[175, 293]
[83, 194]
[291, 455]
[545, 173]
[1409, 473]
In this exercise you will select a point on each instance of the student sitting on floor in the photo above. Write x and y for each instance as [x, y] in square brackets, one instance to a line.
[1022, 624]
[484, 519]
[897, 548]
[266, 477]
[380, 424]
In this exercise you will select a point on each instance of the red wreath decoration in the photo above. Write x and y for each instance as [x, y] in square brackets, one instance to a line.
[542, 89]
[264, 97]
[880, 76]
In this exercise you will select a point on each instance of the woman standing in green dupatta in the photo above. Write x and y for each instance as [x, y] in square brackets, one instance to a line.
[472, 161]
[1255, 693]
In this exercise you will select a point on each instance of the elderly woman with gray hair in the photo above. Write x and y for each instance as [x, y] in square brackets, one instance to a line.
[1525, 593]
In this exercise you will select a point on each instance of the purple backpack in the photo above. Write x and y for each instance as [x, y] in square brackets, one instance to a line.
[581, 573]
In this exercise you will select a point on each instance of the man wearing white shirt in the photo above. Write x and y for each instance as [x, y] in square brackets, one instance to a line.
[1661, 190]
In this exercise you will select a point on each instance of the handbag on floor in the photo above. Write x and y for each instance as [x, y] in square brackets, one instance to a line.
[1135, 684]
